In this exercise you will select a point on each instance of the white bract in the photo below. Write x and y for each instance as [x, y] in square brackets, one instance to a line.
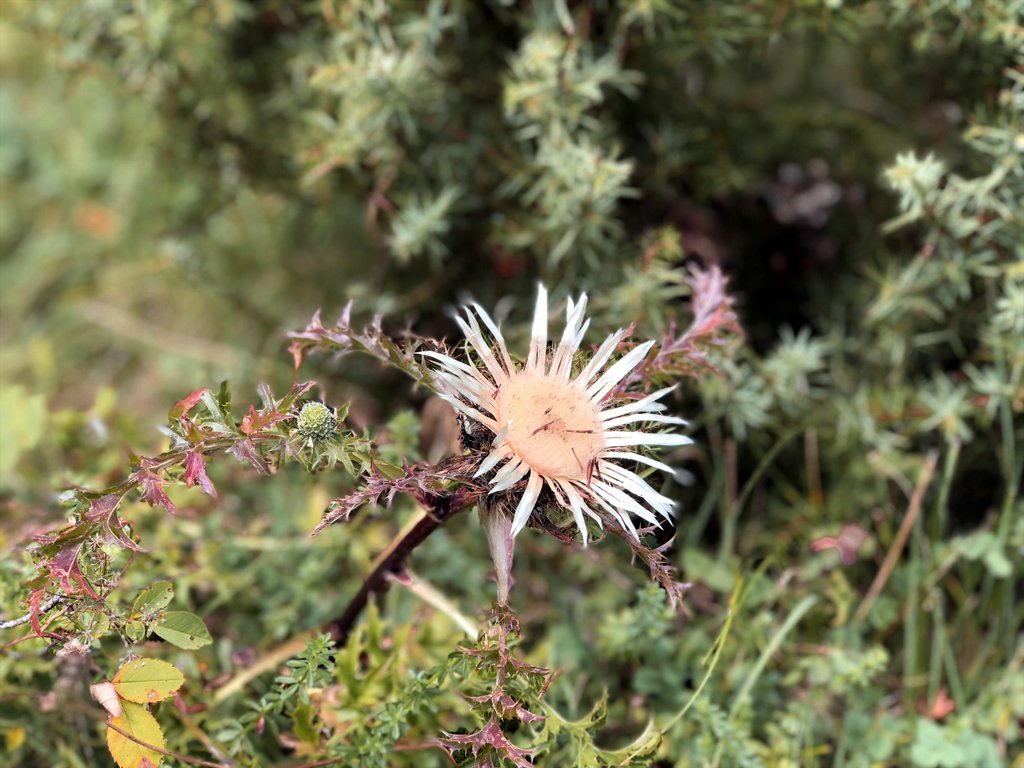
[568, 433]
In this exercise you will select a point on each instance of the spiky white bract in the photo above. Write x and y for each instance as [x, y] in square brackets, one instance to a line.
[553, 429]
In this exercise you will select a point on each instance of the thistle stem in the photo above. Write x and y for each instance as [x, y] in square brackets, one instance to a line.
[438, 509]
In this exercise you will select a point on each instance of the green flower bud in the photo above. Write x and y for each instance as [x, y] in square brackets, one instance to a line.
[317, 422]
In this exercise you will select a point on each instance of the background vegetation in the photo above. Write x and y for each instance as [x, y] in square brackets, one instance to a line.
[184, 182]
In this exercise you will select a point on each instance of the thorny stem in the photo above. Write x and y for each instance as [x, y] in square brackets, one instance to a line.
[439, 508]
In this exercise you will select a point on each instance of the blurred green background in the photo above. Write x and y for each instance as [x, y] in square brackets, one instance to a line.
[183, 182]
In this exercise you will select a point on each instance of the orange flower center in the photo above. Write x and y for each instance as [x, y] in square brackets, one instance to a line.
[552, 426]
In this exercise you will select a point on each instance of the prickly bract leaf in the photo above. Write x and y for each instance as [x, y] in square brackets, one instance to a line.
[147, 681]
[139, 723]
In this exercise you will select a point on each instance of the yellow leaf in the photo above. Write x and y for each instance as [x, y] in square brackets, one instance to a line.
[15, 738]
[136, 721]
[146, 681]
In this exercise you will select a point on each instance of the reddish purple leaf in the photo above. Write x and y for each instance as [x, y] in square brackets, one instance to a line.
[847, 543]
[64, 566]
[490, 736]
[34, 601]
[195, 472]
[104, 510]
[153, 492]
[186, 404]
[505, 706]
[256, 421]
[245, 450]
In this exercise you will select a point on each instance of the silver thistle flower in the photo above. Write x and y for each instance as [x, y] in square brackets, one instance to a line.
[551, 428]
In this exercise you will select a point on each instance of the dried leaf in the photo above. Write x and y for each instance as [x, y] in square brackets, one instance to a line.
[245, 450]
[422, 481]
[106, 695]
[34, 602]
[103, 510]
[715, 325]
[343, 339]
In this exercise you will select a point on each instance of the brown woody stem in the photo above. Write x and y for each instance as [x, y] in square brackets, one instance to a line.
[438, 508]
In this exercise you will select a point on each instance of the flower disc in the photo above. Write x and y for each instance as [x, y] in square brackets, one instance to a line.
[552, 425]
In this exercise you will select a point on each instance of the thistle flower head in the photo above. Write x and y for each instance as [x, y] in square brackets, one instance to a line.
[557, 427]
[317, 422]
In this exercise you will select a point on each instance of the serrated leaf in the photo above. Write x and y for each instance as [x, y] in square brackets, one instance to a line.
[153, 598]
[147, 681]
[136, 721]
[216, 414]
[186, 404]
[183, 629]
[195, 472]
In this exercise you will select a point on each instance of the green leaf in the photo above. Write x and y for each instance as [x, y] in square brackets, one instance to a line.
[135, 631]
[931, 748]
[154, 598]
[23, 422]
[217, 418]
[997, 563]
[640, 752]
[135, 720]
[305, 727]
[147, 681]
[183, 629]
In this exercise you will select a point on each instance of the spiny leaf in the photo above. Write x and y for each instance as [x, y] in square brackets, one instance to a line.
[640, 753]
[492, 738]
[65, 568]
[343, 339]
[183, 629]
[135, 720]
[153, 492]
[186, 404]
[147, 681]
[103, 510]
[195, 472]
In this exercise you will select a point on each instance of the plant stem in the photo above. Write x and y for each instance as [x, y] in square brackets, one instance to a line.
[438, 508]
[893, 555]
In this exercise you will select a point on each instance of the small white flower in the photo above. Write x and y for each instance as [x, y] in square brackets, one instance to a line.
[557, 430]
